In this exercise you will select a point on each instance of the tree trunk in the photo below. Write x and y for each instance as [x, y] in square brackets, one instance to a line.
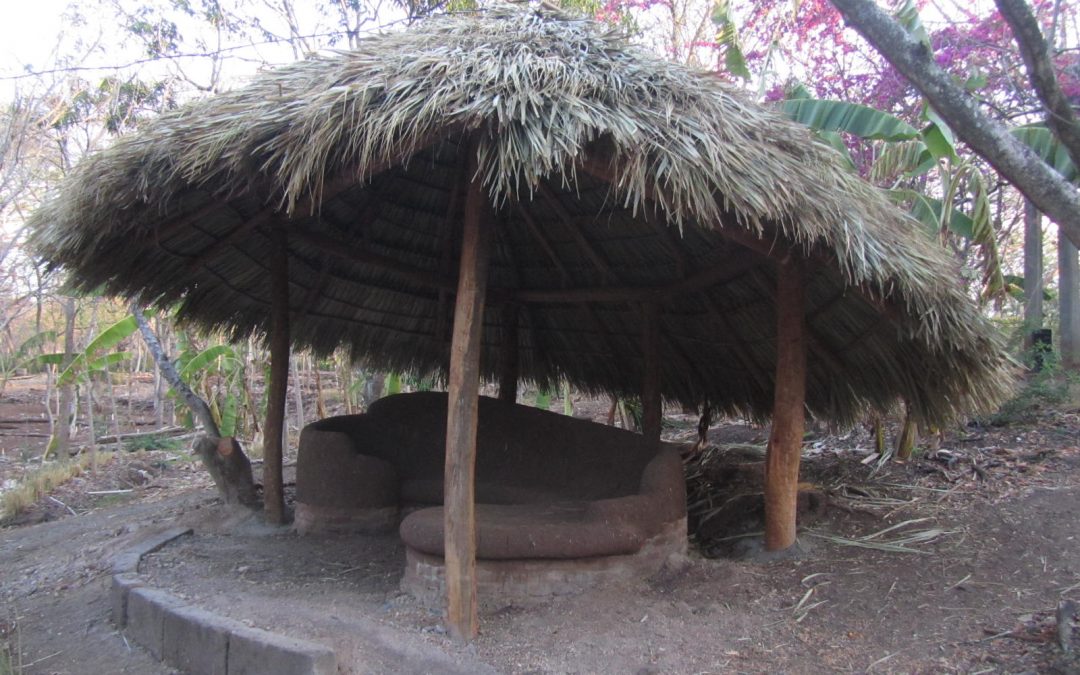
[1069, 308]
[320, 400]
[90, 422]
[223, 458]
[909, 434]
[1035, 51]
[274, 428]
[298, 391]
[1016, 162]
[1033, 272]
[67, 390]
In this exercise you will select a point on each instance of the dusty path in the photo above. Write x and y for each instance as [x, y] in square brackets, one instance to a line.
[55, 586]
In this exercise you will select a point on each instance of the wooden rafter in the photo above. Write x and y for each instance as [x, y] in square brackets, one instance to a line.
[575, 231]
[541, 239]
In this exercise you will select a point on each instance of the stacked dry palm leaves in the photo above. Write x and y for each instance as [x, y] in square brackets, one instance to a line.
[617, 177]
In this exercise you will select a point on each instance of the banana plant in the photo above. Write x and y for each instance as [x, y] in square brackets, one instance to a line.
[905, 159]
[22, 356]
[218, 374]
[90, 362]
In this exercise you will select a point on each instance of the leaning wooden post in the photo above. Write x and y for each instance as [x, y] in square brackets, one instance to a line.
[461, 415]
[652, 407]
[788, 419]
[509, 368]
[273, 430]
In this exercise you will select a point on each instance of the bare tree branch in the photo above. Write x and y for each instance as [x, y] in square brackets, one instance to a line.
[1054, 196]
[1036, 54]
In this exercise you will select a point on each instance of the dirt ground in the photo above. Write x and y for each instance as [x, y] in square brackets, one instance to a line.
[984, 550]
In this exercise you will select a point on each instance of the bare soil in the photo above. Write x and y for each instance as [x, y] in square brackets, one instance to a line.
[996, 508]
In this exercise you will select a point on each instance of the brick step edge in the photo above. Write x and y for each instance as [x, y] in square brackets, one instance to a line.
[197, 641]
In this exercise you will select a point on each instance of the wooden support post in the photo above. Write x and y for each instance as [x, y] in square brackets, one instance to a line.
[461, 421]
[788, 418]
[652, 410]
[273, 430]
[509, 367]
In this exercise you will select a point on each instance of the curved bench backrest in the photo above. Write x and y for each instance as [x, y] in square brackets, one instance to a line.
[518, 446]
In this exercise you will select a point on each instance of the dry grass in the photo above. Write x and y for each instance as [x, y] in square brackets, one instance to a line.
[42, 481]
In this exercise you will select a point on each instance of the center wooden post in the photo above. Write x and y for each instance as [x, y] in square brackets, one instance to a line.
[461, 421]
[273, 429]
[652, 406]
[789, 417]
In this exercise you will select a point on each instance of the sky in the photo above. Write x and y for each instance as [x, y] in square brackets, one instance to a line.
[28, 32]
[34, 33]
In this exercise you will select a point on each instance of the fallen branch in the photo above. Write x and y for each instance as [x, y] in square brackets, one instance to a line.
[165, 431]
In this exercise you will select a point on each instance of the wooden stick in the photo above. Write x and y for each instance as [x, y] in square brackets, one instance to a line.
[464, 386]
[652, 410]
[785, 440]
[273, 487]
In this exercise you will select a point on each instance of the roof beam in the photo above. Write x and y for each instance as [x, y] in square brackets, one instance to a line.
[538, 235]
[345, 251]
[502, 234]
[575, 231]
[708, 277]
[210, 252]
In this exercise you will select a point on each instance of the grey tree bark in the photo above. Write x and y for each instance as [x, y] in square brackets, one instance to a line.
[1035, 50]
[67, 391]
[1068, 303]
[1017, 163]
[1033, 271]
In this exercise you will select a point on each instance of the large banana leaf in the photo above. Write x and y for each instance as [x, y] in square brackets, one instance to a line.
[22, 358]
[105, 362]
[392, 384]
[228, 416]
[907, 15]
[53, 359]
[1040, 139]
[204, 358]
[836, 141]
[928, 211]
[939, 141]
[109, 338]
[727, 36]
[860, 120]
[906, 158]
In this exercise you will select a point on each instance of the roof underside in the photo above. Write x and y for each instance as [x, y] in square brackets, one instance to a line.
[373, 265]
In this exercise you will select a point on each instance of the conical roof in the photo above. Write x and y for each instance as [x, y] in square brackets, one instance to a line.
[616, 178]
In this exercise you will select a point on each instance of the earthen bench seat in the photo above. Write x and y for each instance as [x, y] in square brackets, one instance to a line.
[565, 499]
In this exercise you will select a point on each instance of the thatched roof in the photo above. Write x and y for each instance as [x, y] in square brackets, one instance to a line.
[613, 172]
